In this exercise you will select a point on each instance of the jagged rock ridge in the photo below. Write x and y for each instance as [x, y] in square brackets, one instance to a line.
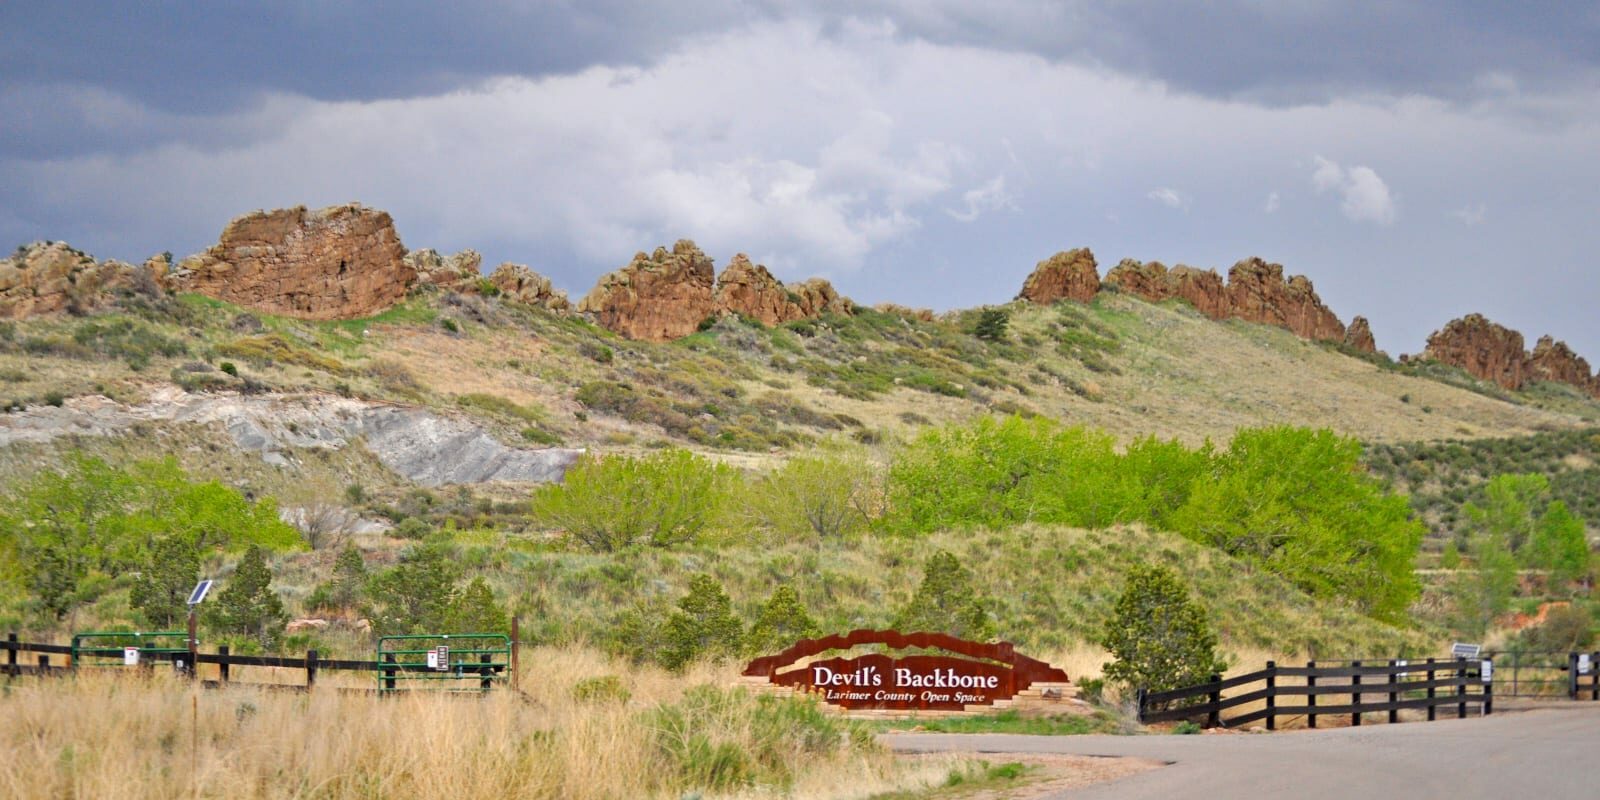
[1493, 352]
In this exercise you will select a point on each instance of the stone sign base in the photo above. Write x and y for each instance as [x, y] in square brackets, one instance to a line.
[1040, 698]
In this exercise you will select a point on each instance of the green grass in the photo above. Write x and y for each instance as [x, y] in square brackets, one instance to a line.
[968, 778]
[1010, 721]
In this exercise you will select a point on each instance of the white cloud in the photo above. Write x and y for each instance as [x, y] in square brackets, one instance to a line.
[991, 196]
[1169, 197]
[1271, 206]
[1471, 216]
[1366, 198]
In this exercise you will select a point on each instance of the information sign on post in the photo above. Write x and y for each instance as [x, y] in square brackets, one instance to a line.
[130, 656]
[443, 653]
[1487, 671]
[1584, 664]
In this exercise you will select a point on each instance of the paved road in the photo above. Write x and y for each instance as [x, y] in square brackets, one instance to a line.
[1536, 755]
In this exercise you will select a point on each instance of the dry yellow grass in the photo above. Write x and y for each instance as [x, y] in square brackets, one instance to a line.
[109, 733]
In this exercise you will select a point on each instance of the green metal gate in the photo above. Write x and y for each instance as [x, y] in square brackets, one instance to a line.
[110, 648]
[456, 662]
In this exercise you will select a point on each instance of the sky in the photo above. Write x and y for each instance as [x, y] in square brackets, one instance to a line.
[1418, 161]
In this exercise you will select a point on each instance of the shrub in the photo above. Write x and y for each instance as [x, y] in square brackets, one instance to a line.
[164, 581]
[596, 352]
[417, 595]
[1566, 628]
[247, 604]
[946, 602]
[703, 626]
[991, 324]
[348, 584]
[474, 610]
[601, 689]
[1158, 638]
[819, 495]
[230, 368]
[412, 528]
[658, 500]
[782, 622]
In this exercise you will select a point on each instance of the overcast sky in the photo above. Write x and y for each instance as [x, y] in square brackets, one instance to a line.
[1417, 160]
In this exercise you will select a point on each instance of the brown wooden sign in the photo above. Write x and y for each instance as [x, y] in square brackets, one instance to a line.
[977, 674]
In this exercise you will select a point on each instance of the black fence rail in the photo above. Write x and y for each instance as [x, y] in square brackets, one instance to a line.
[185, 662]
[1370, 686]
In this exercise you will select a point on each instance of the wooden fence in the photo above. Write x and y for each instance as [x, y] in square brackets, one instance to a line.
[186, 662]
[1392, 686]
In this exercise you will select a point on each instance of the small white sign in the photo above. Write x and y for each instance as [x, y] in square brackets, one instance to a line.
[1402, 675]
[1487, 671]
[433, 659]
[1584, 665]
[444, 658]
[130, 656]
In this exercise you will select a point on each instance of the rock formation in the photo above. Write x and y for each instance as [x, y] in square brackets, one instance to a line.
[1257, 292]
[1359, 336]
[1202, 289]
[749, 289]
[1482, 348]
[1148, 280]
[920, 314]
[1069, 275]
[657, 297]
[523, 285]
[459, 272]
[1554, 361]
[336, 263]
[818, 297]
[49, 277]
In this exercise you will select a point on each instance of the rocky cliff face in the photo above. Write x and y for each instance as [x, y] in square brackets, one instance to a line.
[1148, 279]
[1068, 275]
[459, 272]
[50, 277]
[1257, 292]
[657, 297]
[523, 285]
[1359, 336]
[1554, 361]
[336, 263]
[1482, 348]
[749, 289]
[818, 297]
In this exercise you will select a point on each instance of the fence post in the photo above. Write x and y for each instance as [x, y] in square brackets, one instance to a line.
[1488, 688]
[1214, 719]
[1311, 696]
[1572, 676]
[44, 664]
[388, 672]
[311, 668]
[516, 644]
[1394, 696]
[485, 682]
[1432, 709]
[1594, 675]
[193, 665]
[1355, 695]
[11, 655]
[1461, 690]
[222, 662]
[1272, 695]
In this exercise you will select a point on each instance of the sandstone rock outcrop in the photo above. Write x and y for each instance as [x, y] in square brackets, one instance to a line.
[657, 297]
[1257, 292]
[921, 314]
[458, 272]
[523, 285]
[1068, 275]
[818, 297]
[749, 289]
[1482, 348]
[1148, 279]
[1202, 289]
[1359, 336]
[335, 263]
[50, 277]
[1554, 361]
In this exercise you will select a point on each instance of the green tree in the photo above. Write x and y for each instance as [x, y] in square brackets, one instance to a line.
[416, 595]
[1559, 544]
[165, 580]
[946, 602]
[474, 610]
[703, 626]
[247, 604]
[1509, 503]
[1158, 638]
[991, 324]
[347, 586]
[1484, 591]
[782, 622]
[826, 495]
[659, 500]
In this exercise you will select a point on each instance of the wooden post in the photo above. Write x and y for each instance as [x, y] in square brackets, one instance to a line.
[1272, 695]
[1214, 719]
[44, 664]
[193, 665]
[516, 644]
[1594, 675]
[1139, 699]
[1461, 690]
[1355, 697]
[1488, 690]
[388, 672]
[11, 655]
[1311, 696]
[485, 682]
[1432, 709]
[222, 662]
[1572, 676]
[1394, 696]
[311, 668]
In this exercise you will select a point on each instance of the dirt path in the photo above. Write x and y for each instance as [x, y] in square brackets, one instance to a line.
[1544, 753]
